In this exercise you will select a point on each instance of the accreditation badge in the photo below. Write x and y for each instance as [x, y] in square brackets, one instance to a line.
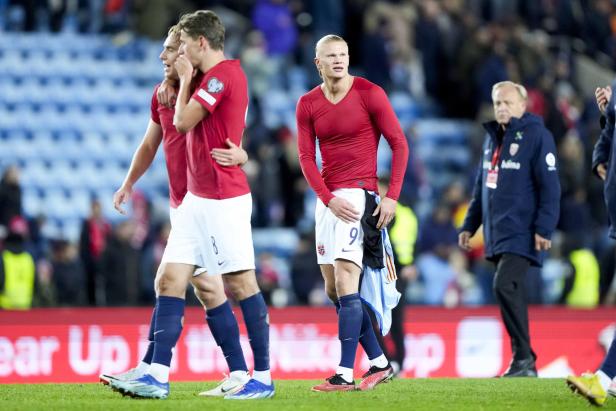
[492, 179]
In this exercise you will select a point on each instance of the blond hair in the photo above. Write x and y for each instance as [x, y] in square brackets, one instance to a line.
[519, 88]
[327, 39]
[174, 32]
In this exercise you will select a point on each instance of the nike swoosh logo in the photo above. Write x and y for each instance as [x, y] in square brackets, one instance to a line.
[159, 331]
[221, 262]
[346, 251]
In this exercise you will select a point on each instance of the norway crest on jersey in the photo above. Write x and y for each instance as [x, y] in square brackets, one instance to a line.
[321, 249]
[513, 149]
[214, 85]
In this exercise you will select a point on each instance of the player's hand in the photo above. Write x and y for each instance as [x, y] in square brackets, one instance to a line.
[602, 171]
[344, 210]
[542, 243]
[185, 69]
[603, 96]
[409, 273]
[121, 197]
[166, 94]
[232, 156]
[386, 210]
[464, 240]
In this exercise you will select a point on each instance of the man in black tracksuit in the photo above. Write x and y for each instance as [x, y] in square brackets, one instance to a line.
[516, 197]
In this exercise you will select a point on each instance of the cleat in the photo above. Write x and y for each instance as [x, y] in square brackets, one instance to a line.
[131, 374]
[334, 383]
[229, 385]
[588, 386]
[375, 376]
[142, 387]
[253, 390]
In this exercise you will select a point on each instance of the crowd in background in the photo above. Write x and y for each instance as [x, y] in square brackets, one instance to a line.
[447, 54]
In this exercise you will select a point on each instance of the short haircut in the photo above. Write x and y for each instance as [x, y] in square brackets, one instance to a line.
[204, 23]
[327, 39]
[519, 88]
[174, 31]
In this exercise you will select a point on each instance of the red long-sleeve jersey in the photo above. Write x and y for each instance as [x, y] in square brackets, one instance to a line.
[348, 134]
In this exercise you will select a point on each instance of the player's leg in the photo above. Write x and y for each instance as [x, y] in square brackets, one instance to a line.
[367, 338]
[143, 365]
[226, 241]
[210, 291]
[244, 288]
[595, 387]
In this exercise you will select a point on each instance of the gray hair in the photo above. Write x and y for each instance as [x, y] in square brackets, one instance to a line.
[519, 88]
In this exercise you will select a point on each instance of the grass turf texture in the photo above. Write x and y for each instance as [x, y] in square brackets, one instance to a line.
[400, 394]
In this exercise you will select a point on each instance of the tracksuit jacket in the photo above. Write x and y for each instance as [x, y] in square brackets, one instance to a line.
[604, 153]
[526, 199]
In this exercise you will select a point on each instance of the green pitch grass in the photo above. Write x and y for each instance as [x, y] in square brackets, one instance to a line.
[400, 394]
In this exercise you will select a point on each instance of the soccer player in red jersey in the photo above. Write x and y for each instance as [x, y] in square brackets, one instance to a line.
[347, 114]
[218, 203]
[208, 288]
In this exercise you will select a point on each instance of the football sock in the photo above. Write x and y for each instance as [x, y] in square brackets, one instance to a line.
[143, 367]
[147, 358]
[379, 362]
[168, 329]
[604, 379]
[367, 338]
[345, 373]
[349, 326]
[159, 372]
[224, 328]
[609, 363]
[256, 318]
[264, 377]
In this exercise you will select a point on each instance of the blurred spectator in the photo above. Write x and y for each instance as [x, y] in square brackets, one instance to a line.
[305, 274]
[119, 267]
[267, 275]
[17, 269]
[92, 244]
[273, 18]
[67, 274]
[10, 195]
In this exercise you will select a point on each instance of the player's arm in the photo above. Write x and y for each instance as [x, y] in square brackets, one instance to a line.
[306, 147]
[188, 112]
[603, 147]
[233, 156]
[385, 118]
[142, 159]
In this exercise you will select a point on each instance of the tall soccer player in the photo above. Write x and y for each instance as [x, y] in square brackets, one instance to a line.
[209, 289]
[348, 115]
[213, 226]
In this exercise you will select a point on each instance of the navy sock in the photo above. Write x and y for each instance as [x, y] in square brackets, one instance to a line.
[147, 358]
[367, 338]
[223, 326]
[349, 326]
[609, 363]
[168, 328]
[257, 325]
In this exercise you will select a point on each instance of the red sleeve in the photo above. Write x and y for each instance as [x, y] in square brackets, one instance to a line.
[212, 90]
[306, 147]
[154, 107]
[385, 118]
